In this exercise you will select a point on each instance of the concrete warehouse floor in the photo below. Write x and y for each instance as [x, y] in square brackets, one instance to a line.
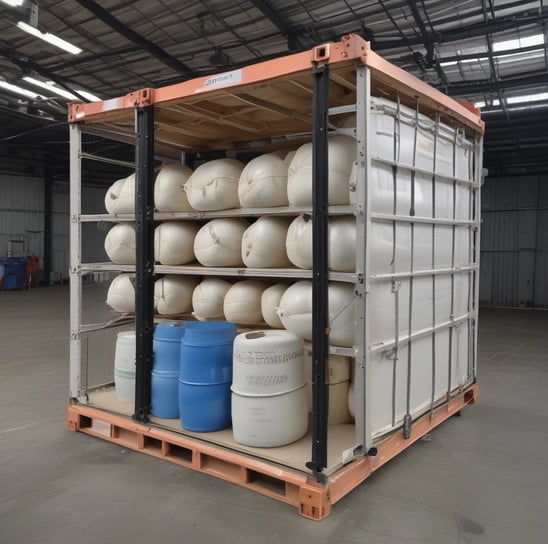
[482, 477]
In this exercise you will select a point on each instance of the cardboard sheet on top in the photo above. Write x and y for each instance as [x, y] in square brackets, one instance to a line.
[295, 455]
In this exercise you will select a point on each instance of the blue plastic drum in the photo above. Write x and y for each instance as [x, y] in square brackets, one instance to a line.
[167, 346]
[205, 375]
[164, 392]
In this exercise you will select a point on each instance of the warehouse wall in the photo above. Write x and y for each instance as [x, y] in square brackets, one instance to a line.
[21, 213]
[22, 218]
[514, 244]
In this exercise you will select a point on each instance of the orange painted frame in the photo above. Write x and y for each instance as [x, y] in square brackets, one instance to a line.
[350, 49]
[313, 499]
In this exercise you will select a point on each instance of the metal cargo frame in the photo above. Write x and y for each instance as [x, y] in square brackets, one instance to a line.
[268, 106]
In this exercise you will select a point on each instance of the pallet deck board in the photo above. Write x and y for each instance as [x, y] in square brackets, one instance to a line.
[313, 499]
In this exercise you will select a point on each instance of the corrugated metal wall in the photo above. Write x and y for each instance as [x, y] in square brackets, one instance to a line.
[21, 213]
[22, 218]
[514, 245]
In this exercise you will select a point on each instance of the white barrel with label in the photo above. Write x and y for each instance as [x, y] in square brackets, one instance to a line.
[121, 293]
[120, 243]
[263, 243]
[267, 363]
[169, 189]
[269, 421]
[214, 185]
[174, 242]
[219, 242]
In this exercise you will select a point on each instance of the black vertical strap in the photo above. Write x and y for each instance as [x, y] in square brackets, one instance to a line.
[320, 312]
[144, 270]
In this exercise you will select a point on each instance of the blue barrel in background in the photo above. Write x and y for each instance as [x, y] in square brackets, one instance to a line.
[15, 273]
[205, 375]
[164, 386]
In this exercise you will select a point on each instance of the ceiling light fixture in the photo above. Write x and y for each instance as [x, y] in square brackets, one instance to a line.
[89, 96]
[18, 90]
[482, 104]
[13, 3]
[518, 43]
[50, 38]
[527, 98]
[50, 87]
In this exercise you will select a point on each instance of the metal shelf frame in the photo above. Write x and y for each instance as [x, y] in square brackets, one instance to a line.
[330, 74]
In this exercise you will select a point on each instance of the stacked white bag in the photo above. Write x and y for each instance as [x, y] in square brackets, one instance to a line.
[341, 157]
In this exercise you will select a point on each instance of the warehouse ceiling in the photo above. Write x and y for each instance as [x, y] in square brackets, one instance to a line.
[490, 52]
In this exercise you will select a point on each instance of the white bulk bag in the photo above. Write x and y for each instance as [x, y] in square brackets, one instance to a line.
[338, 368]
[295, 312]
[242, 302]
[120, 197]
[174, 242]
[263, 182]
[208, 299]
[341, 156]
[111, 195]
[342, 243]
[121, 293]
[173, 294]
[288, 158]
[120, 244]
[214, 185]
[270, 301]
[263, 243]
[169, 189]
[219, 242]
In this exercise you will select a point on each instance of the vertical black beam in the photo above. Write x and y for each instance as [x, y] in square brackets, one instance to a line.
[320, 274]
[48, 198]
[144, 270]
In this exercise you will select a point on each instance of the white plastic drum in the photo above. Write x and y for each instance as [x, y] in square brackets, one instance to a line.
[120, 197]
[120, 243]
[169, 189]
[341, 156]
[270, 301]
[173, 294]
[263, 243]
[208, 299]
[267, 363]
[263, 182]
[295, 312]
[174, 242]
[271, 421]
[121, 293]
[242, 302]
[124, 366]
[214, 185]
[219, 242]
[342, 243]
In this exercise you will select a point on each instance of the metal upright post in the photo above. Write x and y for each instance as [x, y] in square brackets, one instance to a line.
[76, 369]
[320, 274]
[144, 270]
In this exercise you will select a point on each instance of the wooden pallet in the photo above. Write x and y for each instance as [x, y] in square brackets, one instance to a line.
[312, 498]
